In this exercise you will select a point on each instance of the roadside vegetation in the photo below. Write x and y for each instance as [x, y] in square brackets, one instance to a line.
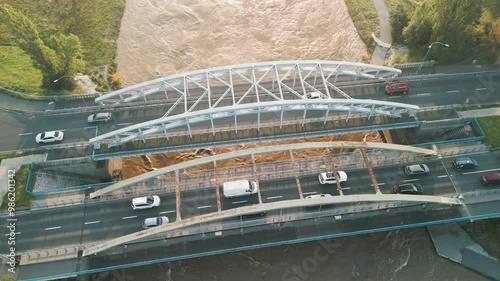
[470, 27]
[491, 130]
[485, 232]
[23, 198]
[365, 19]
[19, 154]
[41, 41]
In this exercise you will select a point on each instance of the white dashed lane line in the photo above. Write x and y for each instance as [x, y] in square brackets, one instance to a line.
[92, 222]
[240, 202]
[411, 180]
[166, 212]
[52, 228]
[26, 134]
[204, 207]
[131, 217]
[443, 176]
[274, 197]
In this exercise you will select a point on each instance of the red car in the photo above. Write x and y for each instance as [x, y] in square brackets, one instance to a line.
[397, 88]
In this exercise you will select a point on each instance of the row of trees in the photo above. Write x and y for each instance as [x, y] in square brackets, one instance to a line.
[59, 56]
[470, 27]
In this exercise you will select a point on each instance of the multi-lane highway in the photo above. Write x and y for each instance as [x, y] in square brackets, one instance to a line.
[18, 131]
[93, 222]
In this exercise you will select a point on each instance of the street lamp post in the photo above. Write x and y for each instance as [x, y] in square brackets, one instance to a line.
[57, 80]
[429, 49]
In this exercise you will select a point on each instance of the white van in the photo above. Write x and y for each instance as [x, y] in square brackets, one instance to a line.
[239, 188]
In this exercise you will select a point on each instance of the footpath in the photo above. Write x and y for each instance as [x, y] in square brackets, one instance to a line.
[450, 240]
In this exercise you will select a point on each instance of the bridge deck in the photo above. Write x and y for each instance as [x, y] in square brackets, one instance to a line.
[203, 138]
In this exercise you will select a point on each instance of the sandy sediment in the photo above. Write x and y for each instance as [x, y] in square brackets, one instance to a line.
[160, 38]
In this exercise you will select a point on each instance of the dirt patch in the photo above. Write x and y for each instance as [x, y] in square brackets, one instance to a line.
[134, 166]
[161, 38]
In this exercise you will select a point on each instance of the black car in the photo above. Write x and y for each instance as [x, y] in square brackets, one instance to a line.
[464, 163]
[408, 188]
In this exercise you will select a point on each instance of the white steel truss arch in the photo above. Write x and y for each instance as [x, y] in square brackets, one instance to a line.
[166, 123]
[249, 83]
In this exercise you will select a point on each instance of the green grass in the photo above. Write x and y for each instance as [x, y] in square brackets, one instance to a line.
[485, 233]
[17, 72]
[95, 22]
[19, 154]
[365, 18]
[491, 130]
[23, 199]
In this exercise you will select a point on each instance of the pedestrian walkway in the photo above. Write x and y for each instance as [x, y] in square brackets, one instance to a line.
[12, 103]
[452, 242]
[480, 112]
[378, 56]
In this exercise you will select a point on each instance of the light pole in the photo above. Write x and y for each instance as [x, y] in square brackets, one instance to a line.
[57, 80]
[429, 49]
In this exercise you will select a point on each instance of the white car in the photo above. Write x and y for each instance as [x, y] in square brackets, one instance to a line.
[318, 196]
[101, 117]
[145, 202]
[49, 136]
[328, 178]
[152, 222]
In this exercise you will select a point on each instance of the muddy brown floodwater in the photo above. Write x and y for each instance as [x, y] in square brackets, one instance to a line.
[160, 38]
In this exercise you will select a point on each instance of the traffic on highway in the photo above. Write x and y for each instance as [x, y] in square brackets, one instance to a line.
[76, 128]
[100, 221]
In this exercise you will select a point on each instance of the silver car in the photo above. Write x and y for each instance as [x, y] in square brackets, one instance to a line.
[152, 222]
[49, 136]
[101, 117]
[418, 169]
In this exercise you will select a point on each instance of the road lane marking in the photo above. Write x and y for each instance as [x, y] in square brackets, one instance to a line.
[443, 176]
[26, 134]
[454, 91]
[131, 217]
[305, 193]
[477, 172]
[239, 202]
[422, 95]
[394, 97]
[410, 180]
[124, 124]
[382, 183]
[481, 89]
[93, 127]
[166, 212]
[92, 222]
[204, 207]
[274, 197]
[51, 228]
[14, 233]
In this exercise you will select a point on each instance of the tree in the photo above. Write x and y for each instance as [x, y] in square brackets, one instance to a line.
[62, 57]
[399, 20]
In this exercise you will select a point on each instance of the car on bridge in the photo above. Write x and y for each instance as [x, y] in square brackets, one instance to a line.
[464, 163]
[145, 202]
[397, 88]
[418, 169]
[152, 222]
[408, 188]
[49, 136]
[490, 178]
[329, 178]
[101, 117]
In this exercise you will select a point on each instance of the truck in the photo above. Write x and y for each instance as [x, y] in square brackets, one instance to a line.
[239, 188]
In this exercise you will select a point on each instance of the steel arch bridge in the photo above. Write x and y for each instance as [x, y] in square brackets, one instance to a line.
[273, 93]
[265, 81]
